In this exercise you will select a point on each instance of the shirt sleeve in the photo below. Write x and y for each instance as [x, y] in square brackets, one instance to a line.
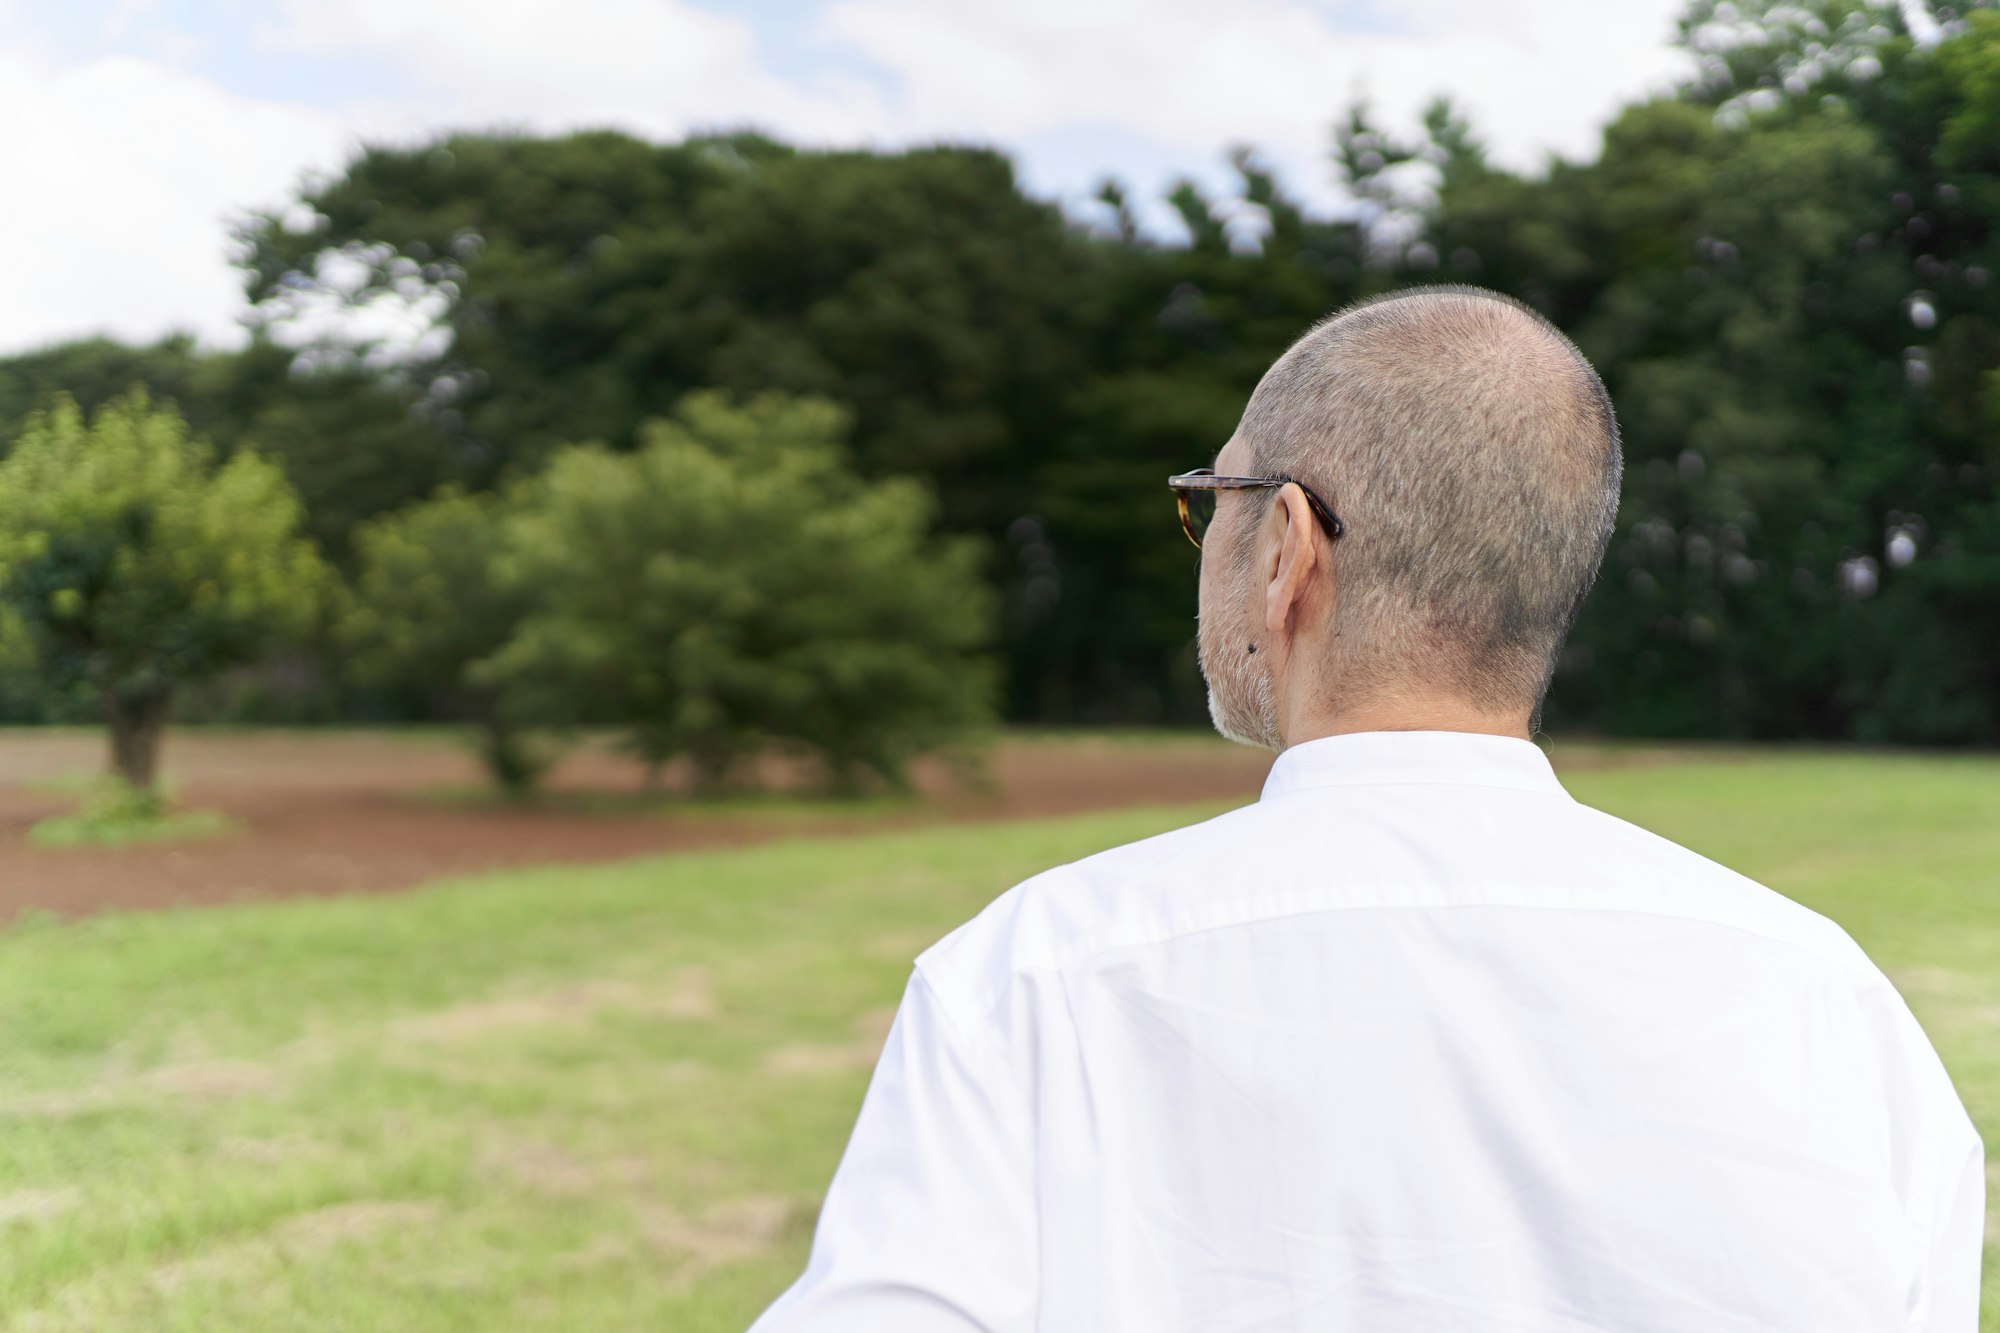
[1957, 1241]
[929, 1224]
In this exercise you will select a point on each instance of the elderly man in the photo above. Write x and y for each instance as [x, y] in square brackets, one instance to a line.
[1415, 1043]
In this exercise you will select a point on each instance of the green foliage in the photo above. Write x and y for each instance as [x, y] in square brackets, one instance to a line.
[732, 583]
[353, 442]
[135, 564]
[1794, 48]
[21, 689]
[431, 602]
[93, 371]
[1785, 271]
[593, 280]
[1793, 309]
[424, 597]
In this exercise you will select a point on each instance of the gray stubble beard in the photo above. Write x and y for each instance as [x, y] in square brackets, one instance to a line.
[1241, 700]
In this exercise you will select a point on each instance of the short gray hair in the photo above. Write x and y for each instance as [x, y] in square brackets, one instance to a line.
[1472, 454]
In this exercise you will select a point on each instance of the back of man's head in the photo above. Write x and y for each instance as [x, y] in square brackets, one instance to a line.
[1472, 454]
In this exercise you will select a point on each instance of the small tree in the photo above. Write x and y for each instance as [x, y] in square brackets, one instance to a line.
[131, 561]
[430, 605]
[734, 582]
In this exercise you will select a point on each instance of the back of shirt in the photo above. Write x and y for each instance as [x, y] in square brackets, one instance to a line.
[1416, 1042]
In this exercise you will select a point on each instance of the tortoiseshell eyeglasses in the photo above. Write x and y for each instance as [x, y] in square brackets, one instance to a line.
[1196, 493]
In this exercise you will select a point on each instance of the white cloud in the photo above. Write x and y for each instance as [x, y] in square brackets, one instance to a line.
[123, 173]
[1534, 74]
[123, 170]
[657, 67]
[126, 170]
[122, 14]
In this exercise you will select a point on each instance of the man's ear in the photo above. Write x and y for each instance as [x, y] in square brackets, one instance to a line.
[1289, 579]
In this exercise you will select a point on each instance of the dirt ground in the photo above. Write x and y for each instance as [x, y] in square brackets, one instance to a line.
[348, 812]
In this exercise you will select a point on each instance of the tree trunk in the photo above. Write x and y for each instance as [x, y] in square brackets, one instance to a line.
[136, 721]
[714, 772]
[509, 756]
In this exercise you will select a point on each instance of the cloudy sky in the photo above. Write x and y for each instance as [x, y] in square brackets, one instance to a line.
[131, 130]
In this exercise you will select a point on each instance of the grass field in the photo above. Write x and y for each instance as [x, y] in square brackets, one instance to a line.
[607, 1098]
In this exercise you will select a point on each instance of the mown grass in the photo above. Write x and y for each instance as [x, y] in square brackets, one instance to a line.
[609, 1098]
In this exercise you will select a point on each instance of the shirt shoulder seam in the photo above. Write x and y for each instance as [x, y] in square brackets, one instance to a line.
[966, 1036]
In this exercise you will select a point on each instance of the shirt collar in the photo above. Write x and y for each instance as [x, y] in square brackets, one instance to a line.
[1460, 758]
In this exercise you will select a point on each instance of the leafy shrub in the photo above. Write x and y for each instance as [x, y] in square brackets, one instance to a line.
[735, 583]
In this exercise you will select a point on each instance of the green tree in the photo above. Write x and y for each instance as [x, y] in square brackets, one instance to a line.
[589, 281]
[732, 583]
[93, 371]
[1785, 275]
[134, 563]
[354, 440]
[431, 604]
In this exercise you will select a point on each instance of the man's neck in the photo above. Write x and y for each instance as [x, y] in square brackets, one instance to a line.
[1405, 714]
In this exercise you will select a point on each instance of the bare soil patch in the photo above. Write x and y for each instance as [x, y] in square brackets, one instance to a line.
[338, 812]
[360, 812]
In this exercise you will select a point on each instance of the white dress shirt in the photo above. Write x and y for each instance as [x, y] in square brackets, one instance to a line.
[1416, 1043]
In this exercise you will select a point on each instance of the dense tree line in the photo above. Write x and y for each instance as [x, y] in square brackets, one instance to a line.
[1785, 271]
